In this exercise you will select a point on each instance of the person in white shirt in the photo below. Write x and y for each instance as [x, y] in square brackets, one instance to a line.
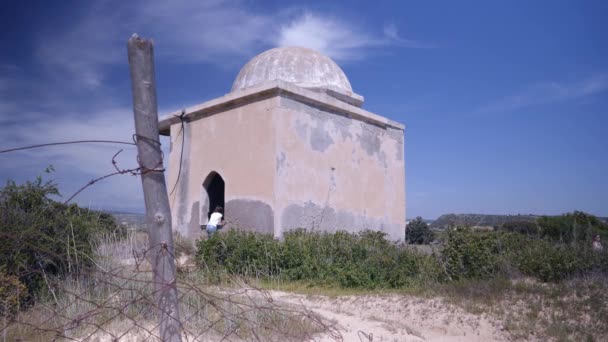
[216, 221]
[597, 244]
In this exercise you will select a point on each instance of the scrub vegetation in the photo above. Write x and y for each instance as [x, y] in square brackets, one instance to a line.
[69, 272]
[42, 238]
[367, 259]
[549, 272]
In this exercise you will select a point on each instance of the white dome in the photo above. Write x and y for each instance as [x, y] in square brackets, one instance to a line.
[301, 66]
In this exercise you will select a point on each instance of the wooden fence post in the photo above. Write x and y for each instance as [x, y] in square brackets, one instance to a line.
[158, 214]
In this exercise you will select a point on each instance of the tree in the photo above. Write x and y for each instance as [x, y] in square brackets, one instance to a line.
[528, 228]
[418, 232]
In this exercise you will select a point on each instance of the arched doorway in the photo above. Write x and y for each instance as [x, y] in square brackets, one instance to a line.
[214, 186]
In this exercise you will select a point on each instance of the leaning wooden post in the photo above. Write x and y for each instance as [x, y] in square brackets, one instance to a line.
[158, 214]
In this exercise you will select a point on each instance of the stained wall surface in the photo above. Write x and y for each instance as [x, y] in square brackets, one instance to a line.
[337, 173]
[238, 144]
[288, 164]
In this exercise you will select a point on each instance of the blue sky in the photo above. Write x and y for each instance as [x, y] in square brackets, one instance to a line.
[505, 102]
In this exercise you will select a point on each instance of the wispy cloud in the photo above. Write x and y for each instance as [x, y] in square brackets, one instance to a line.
[72, 83]
[336, 38]
[549, 92]
[216, 32]
[183, 31]
[327, 35]
[75, 164]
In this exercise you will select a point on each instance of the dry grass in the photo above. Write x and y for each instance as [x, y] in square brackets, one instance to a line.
[573, 310]
[526, 309]
[116, 301]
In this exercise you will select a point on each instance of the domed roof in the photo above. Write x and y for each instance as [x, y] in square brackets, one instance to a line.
[301, 66]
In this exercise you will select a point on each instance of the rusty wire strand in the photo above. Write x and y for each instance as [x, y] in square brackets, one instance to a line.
[66, 143]
[83, 312]
[132, 304]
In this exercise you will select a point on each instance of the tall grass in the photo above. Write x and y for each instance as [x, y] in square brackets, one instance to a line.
[536, 287]
[369, 260]
[363, 260]
[116, 300]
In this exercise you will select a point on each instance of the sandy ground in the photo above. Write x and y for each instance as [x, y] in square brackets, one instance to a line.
[382, 317]
[371, 318]
[396, 318]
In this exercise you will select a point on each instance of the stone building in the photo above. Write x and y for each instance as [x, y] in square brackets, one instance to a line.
[289, 147]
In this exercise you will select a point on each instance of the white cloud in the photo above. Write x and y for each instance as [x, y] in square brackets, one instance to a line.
[186, 31]
[74, 100]
[196, 31]
[338, 39]
[329, 36]
[77, 164]
[550, 92]
[217, 32]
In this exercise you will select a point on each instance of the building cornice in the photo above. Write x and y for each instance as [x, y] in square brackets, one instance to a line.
[269, 90]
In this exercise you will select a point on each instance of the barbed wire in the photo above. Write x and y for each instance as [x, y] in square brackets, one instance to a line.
[66, 143]
[141, 169]
[120, 302]
[120, 299]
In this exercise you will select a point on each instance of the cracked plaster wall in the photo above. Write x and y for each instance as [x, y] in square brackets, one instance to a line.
[334, 172]
[239, 145]
[289, 165]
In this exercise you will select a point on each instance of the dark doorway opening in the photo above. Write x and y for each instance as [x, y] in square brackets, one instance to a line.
[214, 185]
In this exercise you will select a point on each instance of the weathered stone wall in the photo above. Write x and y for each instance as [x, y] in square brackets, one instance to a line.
[337, 173]
[290, 158]
[239, 145]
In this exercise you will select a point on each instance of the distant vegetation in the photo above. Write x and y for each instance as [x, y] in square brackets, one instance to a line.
[496, 221]
[132, 220]
[470, 220]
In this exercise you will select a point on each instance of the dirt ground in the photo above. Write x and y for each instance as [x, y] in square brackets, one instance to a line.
[367, 318]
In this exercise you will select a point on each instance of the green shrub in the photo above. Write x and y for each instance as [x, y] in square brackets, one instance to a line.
[418, 232]
[468, 254]
[43, 237]
[369, 260]
[483, 255]
[571, 227]
[363, 260]
[527, 228]
[550, 262]
[12, 293]
[238, 252]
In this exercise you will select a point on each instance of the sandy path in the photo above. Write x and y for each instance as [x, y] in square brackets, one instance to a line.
[396, 318]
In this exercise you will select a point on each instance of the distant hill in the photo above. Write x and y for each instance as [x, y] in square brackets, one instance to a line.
[444, 221]
[135, 220]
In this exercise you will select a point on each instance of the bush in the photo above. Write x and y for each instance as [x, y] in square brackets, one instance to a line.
[418, 232]
[369, 260]
[238, 252]
[550, 262]
[468, 254]
[527, 228]
[41, 236]
[365, 260]
[572, 227]
[12, 293]
[484, 255]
